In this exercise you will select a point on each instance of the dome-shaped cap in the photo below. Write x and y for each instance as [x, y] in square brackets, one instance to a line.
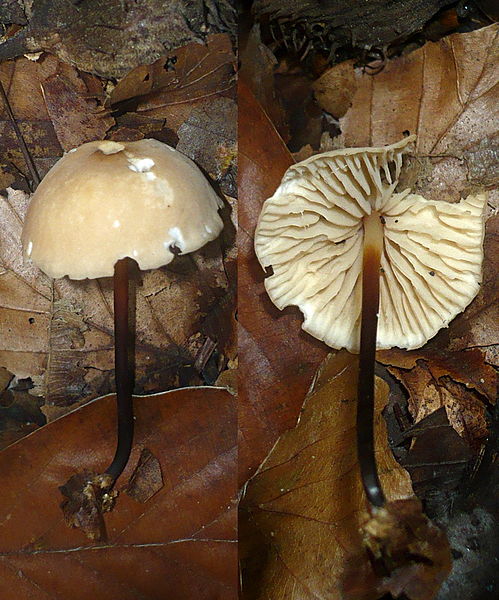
[108, 200]
[311, 233]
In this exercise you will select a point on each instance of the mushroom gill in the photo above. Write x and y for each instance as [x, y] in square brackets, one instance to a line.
[311, 233]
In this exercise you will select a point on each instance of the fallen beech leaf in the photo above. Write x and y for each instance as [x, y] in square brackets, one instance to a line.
[258, 65]
[307, 499]
[277, 360]
[60, 332]
[468, 368]
[208, 137]
[188, 74]
[451, 114]
[76, 119]
[179, 544]
[427, 393]
[21, 81]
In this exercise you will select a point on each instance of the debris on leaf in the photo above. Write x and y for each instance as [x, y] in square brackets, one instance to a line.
[147, 478]
[87, 498]
[410, 554]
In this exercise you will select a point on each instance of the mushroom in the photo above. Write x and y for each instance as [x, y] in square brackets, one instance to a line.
[105, 203]
[344, 246]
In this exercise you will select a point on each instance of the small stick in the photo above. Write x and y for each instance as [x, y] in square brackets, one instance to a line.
[24, 149]
[123, 374]
[373, 244]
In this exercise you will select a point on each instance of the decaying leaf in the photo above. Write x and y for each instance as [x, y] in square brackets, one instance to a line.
[192, 73]
[75, 117]
[334, 90]
[209, 136]
[258, 65]
[446, 93]
[178, 544]
[438, 457]
[147, 478]
[306, 500]
[278, 362]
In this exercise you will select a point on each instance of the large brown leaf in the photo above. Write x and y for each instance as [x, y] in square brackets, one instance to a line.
[178, 544]
[277, 361]
[190, 73]
[446, 93]
[306, 500]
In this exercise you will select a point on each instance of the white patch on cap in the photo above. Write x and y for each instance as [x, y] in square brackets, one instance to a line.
[150, 176]
[208, 229]
[109, 147]
[30, 248]
[72, 150]
[177, 237]
[116, 223]
[140, 165]
[135, 253]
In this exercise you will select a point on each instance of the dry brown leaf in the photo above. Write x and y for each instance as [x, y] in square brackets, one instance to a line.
[307, 500]
[21, 80]
[277, 361]
[188, 74]
[59, 333]
[446, 93]
[209, 137]
[258, 65]
[427, 393]
[76, 118]
[178, 544]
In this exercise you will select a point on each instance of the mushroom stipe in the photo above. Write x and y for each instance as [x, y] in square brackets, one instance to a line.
[123, 373]
[373, 246]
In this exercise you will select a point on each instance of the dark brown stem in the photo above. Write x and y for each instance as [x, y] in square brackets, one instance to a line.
[20, 139]
[123, 371]
[373, 243]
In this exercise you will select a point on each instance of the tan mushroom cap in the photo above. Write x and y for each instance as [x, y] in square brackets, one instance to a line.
[108, 200]
[310, 232]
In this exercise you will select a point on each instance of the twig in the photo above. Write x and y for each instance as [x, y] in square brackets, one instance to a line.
[24, 149]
